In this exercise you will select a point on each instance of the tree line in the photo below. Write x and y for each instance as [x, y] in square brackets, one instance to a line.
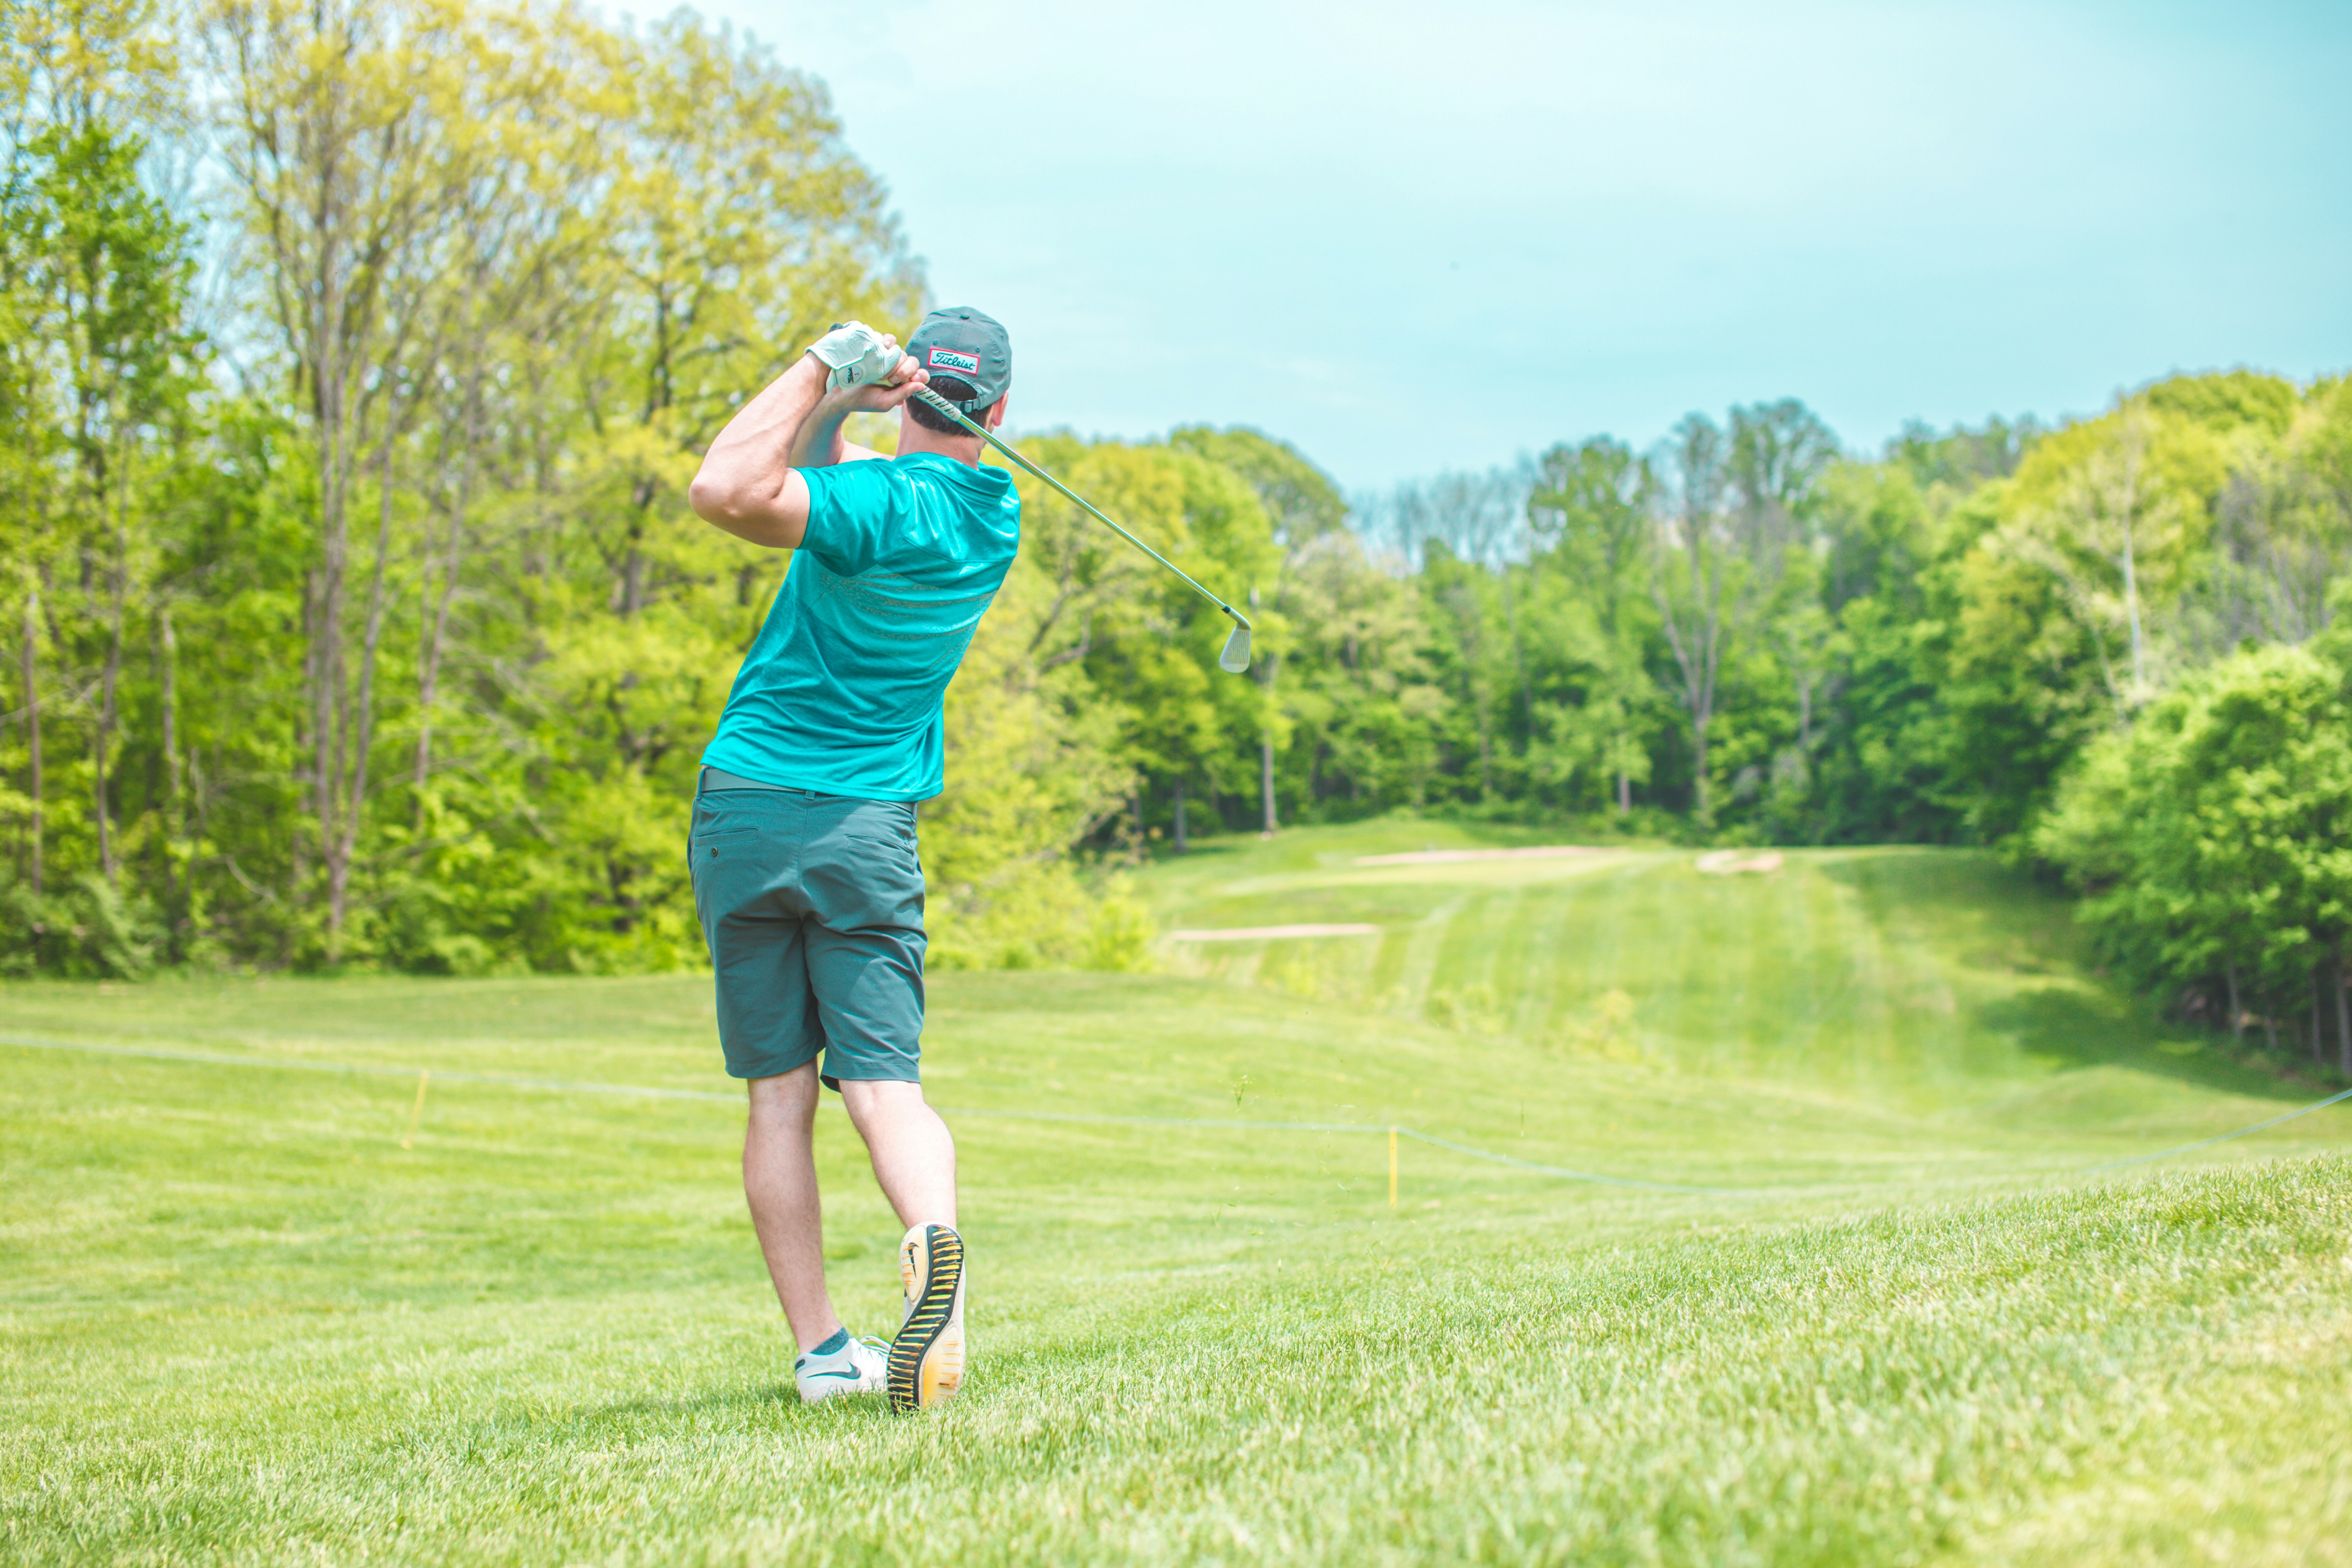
[356, 359]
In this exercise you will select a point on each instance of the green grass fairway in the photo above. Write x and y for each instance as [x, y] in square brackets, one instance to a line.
[239, 1322]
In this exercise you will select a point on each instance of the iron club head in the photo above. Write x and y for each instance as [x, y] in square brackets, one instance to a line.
[1235, 658]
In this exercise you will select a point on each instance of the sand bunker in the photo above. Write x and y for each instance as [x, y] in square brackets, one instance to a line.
[1271, 933]
[1450, 856]
[1732, 862]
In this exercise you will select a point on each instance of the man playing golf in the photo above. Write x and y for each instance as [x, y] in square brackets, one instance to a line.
[806, 873]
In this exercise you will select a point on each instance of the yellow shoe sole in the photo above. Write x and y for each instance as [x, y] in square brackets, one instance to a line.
[926, 1360]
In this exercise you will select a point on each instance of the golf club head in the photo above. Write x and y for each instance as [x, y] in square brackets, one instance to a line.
[1235, 659]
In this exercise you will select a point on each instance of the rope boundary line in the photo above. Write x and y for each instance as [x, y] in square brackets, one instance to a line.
[214, 1059]
[1400, 1129]
[642, 1091]
[2224, 1138]
[563, 1086]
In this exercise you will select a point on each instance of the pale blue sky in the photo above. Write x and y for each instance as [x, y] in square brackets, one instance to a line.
[1434, 236]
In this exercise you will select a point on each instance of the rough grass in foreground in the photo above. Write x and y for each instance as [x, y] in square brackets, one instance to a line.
[2154, 1374]
[240, 1323]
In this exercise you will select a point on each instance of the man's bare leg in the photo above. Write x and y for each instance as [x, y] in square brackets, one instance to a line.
[914, 1161]
[912, 1149]
[780, 1182]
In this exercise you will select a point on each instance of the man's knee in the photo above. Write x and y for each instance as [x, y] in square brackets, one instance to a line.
[789, 1095]
[868, 1097]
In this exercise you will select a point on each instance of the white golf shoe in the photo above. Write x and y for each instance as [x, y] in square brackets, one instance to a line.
[856, 1366]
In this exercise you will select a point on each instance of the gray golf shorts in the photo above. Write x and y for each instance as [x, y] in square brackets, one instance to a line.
[812, 905]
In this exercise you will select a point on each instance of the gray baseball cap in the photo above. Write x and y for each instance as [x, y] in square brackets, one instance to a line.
[969, 345]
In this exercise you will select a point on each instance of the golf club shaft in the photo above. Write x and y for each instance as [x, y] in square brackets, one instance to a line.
[952, 412]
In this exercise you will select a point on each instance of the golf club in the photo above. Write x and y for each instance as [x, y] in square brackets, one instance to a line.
[1235, 658]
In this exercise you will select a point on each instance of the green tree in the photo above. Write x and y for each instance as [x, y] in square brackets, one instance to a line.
[114, 266]
[1590, 513]
[2212, 838]
[1701, 583]
[339, 126]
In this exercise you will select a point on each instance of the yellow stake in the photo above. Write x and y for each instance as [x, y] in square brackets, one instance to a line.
[426, 1077]
[1391, 1167]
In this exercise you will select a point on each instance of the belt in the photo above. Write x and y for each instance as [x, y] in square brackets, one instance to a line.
[720, 778]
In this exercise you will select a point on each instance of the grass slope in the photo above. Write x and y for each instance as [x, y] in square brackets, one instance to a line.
[238, 1321]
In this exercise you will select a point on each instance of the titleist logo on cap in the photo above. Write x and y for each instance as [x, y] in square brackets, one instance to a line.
[951, 359]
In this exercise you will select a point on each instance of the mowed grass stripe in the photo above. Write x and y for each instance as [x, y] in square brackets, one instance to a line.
[1459, 993]
[1422, 955]
[1681, 949]
[1469, 958]
[1547, 971]
[1841, 1028]
[1806, 906]
[1924, 1009]
[1593, 955]
[1858, 1018]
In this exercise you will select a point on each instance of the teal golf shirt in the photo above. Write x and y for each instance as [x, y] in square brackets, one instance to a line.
[841, 692]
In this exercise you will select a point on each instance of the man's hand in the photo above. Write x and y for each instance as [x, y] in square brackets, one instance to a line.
[881, 379]
[819, 442]
[858, 359]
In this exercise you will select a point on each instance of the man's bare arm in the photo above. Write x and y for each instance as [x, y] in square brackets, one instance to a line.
[750, 482]
[819, 443]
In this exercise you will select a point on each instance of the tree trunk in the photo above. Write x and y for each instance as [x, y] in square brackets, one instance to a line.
[1625, 793]
[174, 811]
[323, 334]
[298, 843]
[363, 716]
[2318, 1052]
[438, 623]
[2131, 609]
[2125, 500]
[171, 706]
[1704, 805]
[1180, 816]
[2342, 1023]
[326, 667]
[2237, 1014]
[33, 728]
[1520, 660]
[1697, 649]
[1265, 739]
[1266, 778]
[108, 716]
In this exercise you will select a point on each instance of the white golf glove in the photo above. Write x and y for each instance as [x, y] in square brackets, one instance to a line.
[854, 355]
